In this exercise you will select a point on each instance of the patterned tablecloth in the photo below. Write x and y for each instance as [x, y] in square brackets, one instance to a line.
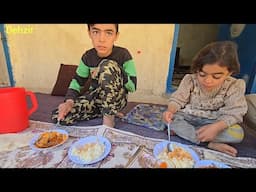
[128, 150]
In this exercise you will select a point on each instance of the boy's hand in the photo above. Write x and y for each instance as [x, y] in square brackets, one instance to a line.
[94, 73]
[65, 108]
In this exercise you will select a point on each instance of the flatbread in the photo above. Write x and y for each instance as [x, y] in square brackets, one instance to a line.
[12, 141]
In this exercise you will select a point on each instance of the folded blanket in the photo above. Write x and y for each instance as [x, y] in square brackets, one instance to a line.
[146, 115]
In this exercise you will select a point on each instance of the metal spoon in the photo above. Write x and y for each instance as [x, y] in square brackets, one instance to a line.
[58, 124]
[169, 147]
[169, 131]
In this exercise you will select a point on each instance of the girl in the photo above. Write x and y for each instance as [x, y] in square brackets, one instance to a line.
[209, 103]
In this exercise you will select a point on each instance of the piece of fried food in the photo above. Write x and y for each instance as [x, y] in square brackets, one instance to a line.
[49, 139]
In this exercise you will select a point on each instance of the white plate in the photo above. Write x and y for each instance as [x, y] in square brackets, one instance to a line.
[90, 139]
[34, 139]
[205, 163]
[162, 145]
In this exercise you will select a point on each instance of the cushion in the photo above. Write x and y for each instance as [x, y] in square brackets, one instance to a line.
[65, 75]
[250, 117]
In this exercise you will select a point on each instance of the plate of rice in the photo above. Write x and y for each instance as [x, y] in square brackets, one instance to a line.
[181, 156]
[48, 139]
[89, 150]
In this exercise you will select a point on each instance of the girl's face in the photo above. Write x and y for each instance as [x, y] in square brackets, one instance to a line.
[103, 37]
[212, 76]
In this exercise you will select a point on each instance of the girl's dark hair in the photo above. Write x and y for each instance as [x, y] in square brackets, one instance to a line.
[222, 52]
[91, 24]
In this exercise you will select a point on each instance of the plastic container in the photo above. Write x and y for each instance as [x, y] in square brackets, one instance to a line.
[14, 112]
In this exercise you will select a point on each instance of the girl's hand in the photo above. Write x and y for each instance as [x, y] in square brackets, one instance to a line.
[167, 116]
[207, 133]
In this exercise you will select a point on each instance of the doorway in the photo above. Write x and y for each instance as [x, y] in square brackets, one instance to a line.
[188, 40]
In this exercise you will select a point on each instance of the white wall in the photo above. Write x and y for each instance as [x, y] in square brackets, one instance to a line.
[36, 51]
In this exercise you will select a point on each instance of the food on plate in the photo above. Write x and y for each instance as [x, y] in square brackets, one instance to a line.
[162, 164]
[177, 158]
[89, 151]
[49, 139]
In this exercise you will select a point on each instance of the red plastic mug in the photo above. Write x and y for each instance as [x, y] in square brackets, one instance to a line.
[14, 112]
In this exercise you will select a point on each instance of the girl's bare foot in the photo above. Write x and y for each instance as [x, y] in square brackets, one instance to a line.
[222, 147]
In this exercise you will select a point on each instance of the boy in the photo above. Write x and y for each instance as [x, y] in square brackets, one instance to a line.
[113, 75]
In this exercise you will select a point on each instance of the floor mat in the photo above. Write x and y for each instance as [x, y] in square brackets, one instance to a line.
[146, 115]
[128, 150]
[46, 103]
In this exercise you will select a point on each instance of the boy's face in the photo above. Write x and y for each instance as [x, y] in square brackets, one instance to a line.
[103, 37]
[212, 76]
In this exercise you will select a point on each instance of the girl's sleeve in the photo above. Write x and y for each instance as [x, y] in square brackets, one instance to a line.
[235, 105]
[181, 96]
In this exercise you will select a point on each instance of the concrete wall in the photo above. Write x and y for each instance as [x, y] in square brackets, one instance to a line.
[193, 37]
[36, 51]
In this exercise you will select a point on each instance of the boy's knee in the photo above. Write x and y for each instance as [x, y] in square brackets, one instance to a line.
[108, 63]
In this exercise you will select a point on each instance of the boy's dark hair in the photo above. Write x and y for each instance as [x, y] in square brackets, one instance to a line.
[222, 52]
[91, 24]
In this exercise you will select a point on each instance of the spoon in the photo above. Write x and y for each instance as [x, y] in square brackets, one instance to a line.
[169, 131]
[58, 124]
[169, 147]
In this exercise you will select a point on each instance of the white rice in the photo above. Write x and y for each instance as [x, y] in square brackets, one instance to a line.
[89, 151]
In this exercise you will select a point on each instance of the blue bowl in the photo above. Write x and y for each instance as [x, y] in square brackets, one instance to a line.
[210, 164]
